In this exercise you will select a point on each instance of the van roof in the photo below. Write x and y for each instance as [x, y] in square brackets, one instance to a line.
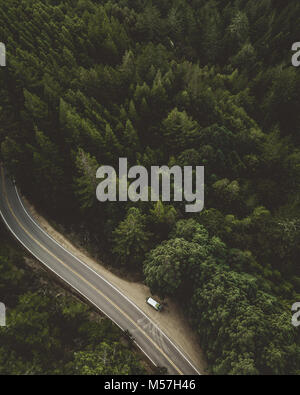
[152, 302]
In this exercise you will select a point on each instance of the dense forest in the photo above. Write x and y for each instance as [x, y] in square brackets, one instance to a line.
[186, 82]
[49, 331]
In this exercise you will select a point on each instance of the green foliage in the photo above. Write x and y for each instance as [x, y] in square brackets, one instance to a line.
[254, 335]
[131, 238]
[48, 332]
[166, 82]
[86, 183]
[106, 359]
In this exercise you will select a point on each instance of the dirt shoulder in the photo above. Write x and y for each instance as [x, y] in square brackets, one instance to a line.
[171, 320]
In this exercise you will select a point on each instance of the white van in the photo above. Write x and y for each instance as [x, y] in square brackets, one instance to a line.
[157, 306]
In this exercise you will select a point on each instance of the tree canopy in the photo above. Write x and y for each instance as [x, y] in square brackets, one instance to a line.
[189, 83]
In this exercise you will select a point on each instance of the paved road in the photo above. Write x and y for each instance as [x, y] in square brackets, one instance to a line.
[96, 289]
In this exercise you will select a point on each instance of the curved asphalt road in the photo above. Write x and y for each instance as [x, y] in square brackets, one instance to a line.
[149, 338]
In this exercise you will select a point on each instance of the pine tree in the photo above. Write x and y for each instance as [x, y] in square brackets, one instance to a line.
[86, 182]
[131, 239]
